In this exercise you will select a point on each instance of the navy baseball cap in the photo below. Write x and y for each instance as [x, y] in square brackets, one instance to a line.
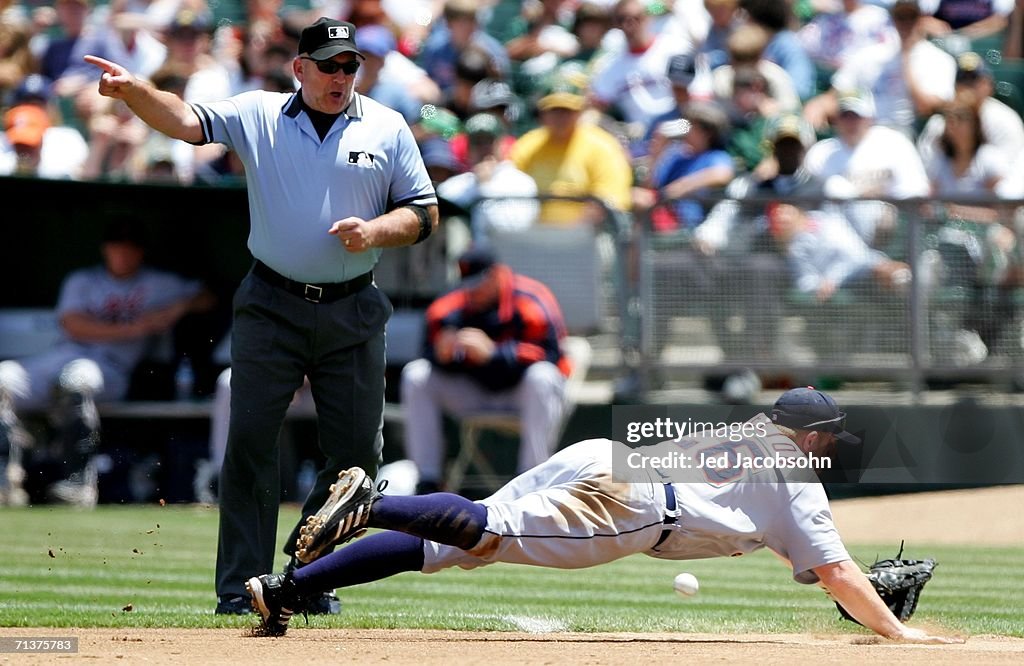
[327, 37]
[681, 70]
[811, 409]
[476, 260]
[474, 264]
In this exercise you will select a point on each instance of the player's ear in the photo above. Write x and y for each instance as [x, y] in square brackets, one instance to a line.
[821, 443]
[811, 442]
[297, 68]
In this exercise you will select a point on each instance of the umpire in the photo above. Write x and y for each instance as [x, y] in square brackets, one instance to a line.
[332, 178]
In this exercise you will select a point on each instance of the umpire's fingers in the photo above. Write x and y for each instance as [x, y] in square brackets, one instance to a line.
[107, 66]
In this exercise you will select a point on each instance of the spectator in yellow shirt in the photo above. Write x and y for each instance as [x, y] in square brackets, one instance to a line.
[570, 158]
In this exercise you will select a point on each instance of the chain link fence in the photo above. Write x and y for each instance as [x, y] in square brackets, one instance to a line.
[906, 291]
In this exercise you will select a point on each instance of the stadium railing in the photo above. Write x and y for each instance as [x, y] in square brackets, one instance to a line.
[955, 316]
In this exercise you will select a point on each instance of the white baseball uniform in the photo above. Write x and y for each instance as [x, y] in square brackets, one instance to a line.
[95, 292]
[569, 512]
[637, 82]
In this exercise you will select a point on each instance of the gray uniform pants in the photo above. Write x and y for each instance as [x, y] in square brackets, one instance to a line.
[278, 338]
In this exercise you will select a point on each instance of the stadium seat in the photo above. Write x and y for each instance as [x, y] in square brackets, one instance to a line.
[567, 260]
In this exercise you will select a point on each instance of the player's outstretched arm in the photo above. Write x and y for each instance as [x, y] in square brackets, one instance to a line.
[163, 111]
[850, 587]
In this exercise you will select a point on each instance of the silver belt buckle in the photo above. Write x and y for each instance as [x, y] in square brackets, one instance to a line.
[312, 293]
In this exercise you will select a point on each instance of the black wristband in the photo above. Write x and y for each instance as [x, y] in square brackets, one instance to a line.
[426, 228]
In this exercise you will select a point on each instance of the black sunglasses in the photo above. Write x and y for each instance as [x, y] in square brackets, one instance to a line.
[333, 67]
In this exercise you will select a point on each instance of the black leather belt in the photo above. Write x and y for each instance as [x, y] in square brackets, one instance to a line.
[670, 513]
[314, 293]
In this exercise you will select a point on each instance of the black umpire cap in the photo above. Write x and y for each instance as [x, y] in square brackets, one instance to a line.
[811, 409]
[327, 37]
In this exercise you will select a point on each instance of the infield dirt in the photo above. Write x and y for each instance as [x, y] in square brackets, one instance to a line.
[402, 646]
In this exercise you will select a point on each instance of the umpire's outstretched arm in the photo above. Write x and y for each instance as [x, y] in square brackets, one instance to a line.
[163, 111]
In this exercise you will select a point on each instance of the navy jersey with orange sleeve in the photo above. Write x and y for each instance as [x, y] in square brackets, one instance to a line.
[526, 324]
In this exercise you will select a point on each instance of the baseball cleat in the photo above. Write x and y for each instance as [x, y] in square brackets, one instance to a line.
[343, 516]
[273, 597]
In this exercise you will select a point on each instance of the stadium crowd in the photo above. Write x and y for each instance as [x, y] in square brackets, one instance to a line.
[627, 67]
[648, 106]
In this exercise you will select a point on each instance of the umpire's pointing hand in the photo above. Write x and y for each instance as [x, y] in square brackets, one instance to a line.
[115, 80]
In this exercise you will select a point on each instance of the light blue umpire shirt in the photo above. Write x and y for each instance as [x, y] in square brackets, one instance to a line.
[367, 165]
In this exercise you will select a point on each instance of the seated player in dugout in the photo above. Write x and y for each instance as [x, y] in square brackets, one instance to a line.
[109, 314]
[493, 344]
[573, 512]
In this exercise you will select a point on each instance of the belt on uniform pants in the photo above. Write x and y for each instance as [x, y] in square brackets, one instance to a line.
[314, 293]
[670, 513]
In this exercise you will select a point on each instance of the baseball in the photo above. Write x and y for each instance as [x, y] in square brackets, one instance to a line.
[686, 585]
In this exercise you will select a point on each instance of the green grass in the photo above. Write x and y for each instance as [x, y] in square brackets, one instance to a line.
[161, 560]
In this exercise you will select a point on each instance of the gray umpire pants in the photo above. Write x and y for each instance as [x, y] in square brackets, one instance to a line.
[278, 338]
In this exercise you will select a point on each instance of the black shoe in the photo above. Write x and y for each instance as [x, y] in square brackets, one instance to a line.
[342, 517]
[325, 604]
[274, 599]
[228, 604]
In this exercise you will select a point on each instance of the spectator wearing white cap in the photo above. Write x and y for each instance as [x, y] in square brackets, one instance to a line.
[865, 160]
[494, 191]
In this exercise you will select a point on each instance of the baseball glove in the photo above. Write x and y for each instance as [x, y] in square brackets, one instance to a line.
[899, 583]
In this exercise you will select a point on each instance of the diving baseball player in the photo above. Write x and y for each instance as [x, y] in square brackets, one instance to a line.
[569, 512]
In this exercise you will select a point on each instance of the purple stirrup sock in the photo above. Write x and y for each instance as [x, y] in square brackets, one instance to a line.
[442, 517]
[371, 558]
